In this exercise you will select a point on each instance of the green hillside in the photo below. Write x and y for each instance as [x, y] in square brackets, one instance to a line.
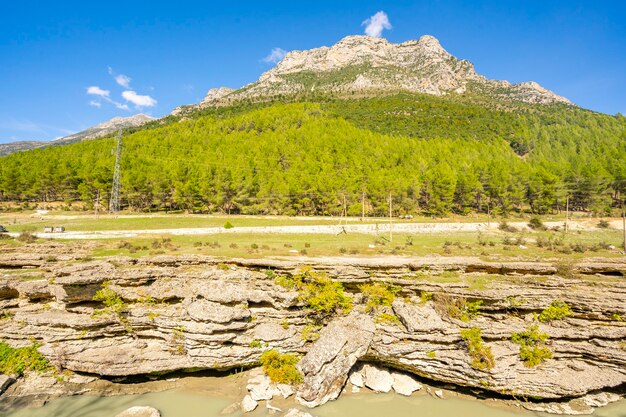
[433, 155]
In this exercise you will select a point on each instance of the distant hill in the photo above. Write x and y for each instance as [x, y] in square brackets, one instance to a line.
[100, 130]
[105, 128]
[7, 148]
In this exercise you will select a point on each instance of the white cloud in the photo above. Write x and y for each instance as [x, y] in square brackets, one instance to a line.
[139, 100]
[104, 95]
[375, 25]
[275, 56]
[120, 105]
[97, 91]
[123, 80]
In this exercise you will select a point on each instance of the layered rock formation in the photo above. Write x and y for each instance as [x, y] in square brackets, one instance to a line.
[196, 312]
[364, 65]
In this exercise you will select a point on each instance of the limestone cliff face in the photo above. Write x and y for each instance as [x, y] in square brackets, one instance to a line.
[190, 312]
[366, 65]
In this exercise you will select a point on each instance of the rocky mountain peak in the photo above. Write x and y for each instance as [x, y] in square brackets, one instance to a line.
[430, 44]
[369, 65]
[216, 93]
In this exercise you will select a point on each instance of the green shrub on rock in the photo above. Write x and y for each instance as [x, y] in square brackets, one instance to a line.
[281, 367]
[15, 361]
[558, 310]
[321, 295]
[378, 295]
[109, 298]
[325, 296]
[482, 358]
[457, 307]
[533, 350]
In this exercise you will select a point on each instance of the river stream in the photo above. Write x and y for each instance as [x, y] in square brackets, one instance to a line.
[185, 404]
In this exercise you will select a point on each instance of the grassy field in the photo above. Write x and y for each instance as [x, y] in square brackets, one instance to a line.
[492, 245]
[80, 223]
[87, 221]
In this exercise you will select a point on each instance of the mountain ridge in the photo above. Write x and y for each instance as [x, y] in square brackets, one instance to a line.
[367, 65]
[94, 132]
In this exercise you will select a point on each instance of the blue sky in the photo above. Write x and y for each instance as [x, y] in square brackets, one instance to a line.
[52, 52]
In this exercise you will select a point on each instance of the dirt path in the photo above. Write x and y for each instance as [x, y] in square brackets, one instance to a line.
[373, 229]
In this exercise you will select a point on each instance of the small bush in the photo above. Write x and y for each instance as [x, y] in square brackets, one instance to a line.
[310, 332]
[482, 358]
[27, 237]
[566, 270]
[228, 225]
[536, 223]
[387, 318]
[426, 296]
[378, 295]
[325, 297]
[566, 250]
[281, 368]
[255, 344]
[319, 293]
[533, 350]
[514, 302]
[543, 242]
[113, 304]
[15, 361]
[603, 224]
[506, 227]
[431, 354]
[558, 310]
[457, 308]
[223, 267]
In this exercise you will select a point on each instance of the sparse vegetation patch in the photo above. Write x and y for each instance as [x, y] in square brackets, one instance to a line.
[482, 358]
[533, 349]
[281, 367]
[16, 361]
[558, 310]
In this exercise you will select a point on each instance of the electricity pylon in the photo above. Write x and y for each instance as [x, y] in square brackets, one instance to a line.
[114, 203]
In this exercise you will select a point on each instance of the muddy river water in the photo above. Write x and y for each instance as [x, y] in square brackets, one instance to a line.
[178, 403]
